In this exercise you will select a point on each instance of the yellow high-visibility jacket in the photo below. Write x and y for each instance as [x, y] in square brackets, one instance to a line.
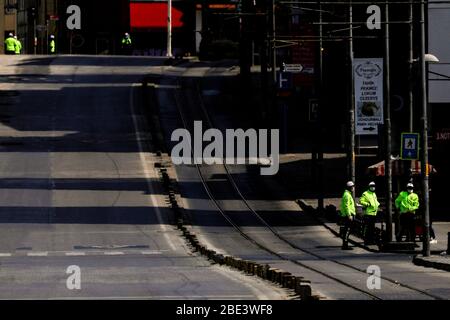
[347, 204]
[370, 203]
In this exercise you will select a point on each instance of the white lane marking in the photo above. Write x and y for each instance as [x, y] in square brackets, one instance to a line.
[37, 254]
[151, 252]
[147, 169]
[75, 253]
[113, 253]
[5, 254]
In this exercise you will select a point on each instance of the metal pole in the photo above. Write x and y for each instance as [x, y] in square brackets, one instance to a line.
[411, 58]
[320, 147]
[35, 36]
[274, 49]
[352, 101]
[387, 126]
[169, 28]
[424, 149]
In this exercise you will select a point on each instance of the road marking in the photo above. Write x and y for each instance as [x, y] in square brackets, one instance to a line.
[147, 169]
[151, 252]
[5, 254]
[75, 254]
[37, 254]
[113, 253]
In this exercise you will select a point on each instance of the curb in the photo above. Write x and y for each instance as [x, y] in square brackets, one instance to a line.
[286, 280]
[420, 260]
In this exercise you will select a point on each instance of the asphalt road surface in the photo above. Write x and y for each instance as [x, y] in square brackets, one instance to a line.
[78, 187]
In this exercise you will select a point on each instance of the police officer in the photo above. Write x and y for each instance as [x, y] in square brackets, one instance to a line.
[10, 44]
[52, 45]
[126, 44]
[18, 45]
[347, 214]
[370, 205]
[407, 203]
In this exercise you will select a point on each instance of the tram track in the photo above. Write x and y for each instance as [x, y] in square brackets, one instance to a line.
[187, 97]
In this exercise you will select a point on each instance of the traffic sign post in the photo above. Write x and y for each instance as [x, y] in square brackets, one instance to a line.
[410, 146]
[292, 68]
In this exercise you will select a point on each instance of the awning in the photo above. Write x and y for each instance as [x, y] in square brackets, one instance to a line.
[153, 15]
[399, 168]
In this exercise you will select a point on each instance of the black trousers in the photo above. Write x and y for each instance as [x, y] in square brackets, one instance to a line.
[369, 229]
[345, 230]
[10, 52]
[407, 227]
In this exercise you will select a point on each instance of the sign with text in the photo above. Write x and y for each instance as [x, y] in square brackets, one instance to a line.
[368, 82]
[292, 67]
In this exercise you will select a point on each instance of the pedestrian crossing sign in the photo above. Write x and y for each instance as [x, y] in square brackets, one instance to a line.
[410, 146]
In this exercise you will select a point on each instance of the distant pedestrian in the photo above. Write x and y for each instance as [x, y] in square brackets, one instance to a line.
[347, 214]
[52, 45]
[18, 45]
[10, 45]
[370, 205]
[407, 203]
[127, 44]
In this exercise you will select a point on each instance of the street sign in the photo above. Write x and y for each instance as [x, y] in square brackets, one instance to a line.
[292, 67]
[410, 146]
[368, 84]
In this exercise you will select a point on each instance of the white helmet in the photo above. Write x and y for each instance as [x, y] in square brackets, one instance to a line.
[15, 37]
[409, 186]
[372, 184]
[350, 184]
[127, 34]
[10, 34]
[52, 37]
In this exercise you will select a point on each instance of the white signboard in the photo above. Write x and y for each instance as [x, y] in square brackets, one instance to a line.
[368, 76]
[292, 68]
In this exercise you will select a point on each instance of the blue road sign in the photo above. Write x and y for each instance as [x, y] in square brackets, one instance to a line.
[284, 81]
[410, 146]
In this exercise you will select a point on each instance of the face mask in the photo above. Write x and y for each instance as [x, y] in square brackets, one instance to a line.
[372, 189]
[410, 190]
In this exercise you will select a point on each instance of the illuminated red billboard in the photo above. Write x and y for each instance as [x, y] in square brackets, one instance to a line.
[153, 15]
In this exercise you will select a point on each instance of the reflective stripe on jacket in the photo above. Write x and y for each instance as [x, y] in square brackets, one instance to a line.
[407, 202]
[370, 203]
[347, 204]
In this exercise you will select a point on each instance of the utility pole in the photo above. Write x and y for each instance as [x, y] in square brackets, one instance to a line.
[320, 114]
[274, 47]
[169, 28]
[387, 128]
[263, 54]
[352, 170]
[424, 149]
[411, 58]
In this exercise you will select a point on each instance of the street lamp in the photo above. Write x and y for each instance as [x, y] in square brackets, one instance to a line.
[431, 58]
